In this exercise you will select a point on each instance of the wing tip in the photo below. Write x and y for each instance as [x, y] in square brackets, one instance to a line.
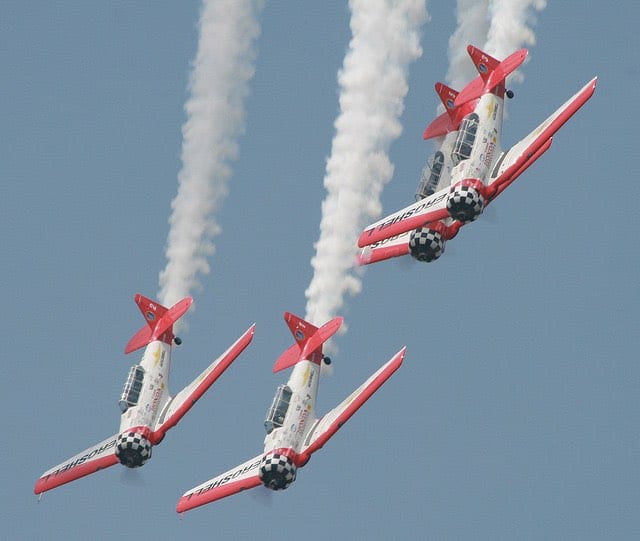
[364, 256]
[181, 507]
[395, 362]
[195, 498]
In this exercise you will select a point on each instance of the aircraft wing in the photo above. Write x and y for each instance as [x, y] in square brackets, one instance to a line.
[98, 457]
[385, 249]
[240, 478]
[329, 424]
[508, 167]
[426, 210]
[187, 397]
[520, 156]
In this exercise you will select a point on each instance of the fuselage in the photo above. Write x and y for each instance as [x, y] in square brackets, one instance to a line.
[300, 413]
[477, 145]
[154, 393]
[289, 420]
[464, 164]
[144, 398]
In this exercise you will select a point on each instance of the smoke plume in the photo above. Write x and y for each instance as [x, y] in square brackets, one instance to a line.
[498, 27]
[215, 119]
[373, 84]
[510, 27]
[472, 17]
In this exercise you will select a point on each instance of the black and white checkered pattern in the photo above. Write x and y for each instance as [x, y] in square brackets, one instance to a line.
[133, 449]
[465, 203]
[426, 244]
[277, 471]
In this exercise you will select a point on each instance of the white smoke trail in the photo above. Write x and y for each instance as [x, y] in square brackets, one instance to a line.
[215, 119]
[510, 28]
[498, 27]
[373, 84]
[473, 26]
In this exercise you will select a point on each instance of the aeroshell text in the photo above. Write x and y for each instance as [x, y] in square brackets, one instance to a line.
[224, 480]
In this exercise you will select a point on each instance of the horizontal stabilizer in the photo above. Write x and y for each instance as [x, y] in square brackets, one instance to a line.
[98, 457]
[242, 477]
[328, 425]
[442, 125]
[447, 121]
[492, 73]
[309, 340]
[159, 321]
[290, 357]
[179, 405]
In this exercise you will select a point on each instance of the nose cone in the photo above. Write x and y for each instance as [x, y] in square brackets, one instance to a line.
[465, 203]
[133, 449]
[277, 471]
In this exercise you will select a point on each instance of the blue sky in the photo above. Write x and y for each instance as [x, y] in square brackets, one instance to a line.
[515, 414]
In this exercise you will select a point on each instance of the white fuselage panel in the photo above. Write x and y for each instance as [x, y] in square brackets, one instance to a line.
[156, 362]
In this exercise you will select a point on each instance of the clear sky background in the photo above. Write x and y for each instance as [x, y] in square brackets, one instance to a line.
[515, 415]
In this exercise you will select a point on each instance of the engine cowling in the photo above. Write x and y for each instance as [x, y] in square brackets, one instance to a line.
[277, 471]
[426, 244]
[466, 201]
[133, 449]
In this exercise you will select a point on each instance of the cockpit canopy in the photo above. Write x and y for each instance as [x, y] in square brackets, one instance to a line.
[466, 137]
[132, 388]
[431, 174]
[278, 410]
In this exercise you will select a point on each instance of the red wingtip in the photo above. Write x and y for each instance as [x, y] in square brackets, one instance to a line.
[367, 255]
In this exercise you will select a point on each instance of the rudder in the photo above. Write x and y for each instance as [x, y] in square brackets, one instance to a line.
[309, 340]
[492, 74]
[159, 320]
[151, 311]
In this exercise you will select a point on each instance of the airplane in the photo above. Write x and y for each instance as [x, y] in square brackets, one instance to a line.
[470, 169]
[294, 433]
[148, 411]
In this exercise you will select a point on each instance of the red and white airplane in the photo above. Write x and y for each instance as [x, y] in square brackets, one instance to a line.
[464, 177]
[293, 431]
[148, 410]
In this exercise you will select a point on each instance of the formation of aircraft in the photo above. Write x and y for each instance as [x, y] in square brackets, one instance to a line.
[469, 171]
[148, 410]
[294, 432]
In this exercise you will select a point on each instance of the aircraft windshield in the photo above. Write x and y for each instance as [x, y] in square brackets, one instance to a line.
[132, 388]
[466, 137]
[278, 409]
[431, 174]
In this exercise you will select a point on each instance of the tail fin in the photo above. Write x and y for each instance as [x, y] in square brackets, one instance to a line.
[492, 73]
[159, 320]
[309, 340]
[484, 63]
[447, 96]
